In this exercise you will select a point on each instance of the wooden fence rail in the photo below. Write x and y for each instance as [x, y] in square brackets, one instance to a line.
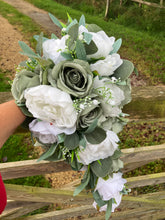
[25, 199]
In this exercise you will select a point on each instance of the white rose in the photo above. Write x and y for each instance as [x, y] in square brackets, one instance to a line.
[111, 96]
[94, 152]
[47, 132]
[109, 189]
[103, 43]
[51, 104]
[107, 66]
[40, 130]
[52, 49]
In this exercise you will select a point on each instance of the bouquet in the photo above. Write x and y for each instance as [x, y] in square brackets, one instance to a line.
[73, 90]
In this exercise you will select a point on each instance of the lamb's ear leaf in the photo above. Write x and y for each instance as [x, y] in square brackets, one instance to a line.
[39, 44]
[124, 71]
[93, 28]
[83, 184]
[80, 50]
[26, 50]
[82, 21]
[116, 46]
[56, 21]
[109, 209]
[53, 36]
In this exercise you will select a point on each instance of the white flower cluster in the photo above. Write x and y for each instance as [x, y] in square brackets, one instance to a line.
[74, 95]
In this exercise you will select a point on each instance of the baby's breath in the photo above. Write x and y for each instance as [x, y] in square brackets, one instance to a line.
[82, 103]
[31, 64]
[104, 93]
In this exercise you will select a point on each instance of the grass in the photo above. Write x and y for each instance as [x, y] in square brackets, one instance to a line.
[4, 82]
[144, 134]
[21, 22]
[145, 51]
[19, 147]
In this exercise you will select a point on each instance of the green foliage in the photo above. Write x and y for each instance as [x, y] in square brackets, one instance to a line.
[18, 147]
[144, 49]
[4, 82]
[26, 25]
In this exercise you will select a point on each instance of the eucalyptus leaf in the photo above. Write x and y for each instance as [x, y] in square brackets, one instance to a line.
[116, 46]
[117, 154]
[96, 136]
[56, 21]
[98, 199]
[48, 153]
[83, 142]
[124, 71]
[58, 155]
[80, 50]
[91, 48]
[92, 126]
[82, 20]
[104, 169]
[83, 184]
[71, 141]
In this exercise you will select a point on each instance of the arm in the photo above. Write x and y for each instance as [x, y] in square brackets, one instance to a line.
[10, 118]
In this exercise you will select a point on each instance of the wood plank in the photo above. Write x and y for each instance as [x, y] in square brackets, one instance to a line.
[146, 180]
[136, 156]
[133, 155]
[39, 194]
[12, 170]
[63, 214]
[23, 209]
[134, 214]
[148, 3]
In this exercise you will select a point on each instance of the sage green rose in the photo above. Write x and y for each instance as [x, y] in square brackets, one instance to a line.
[87, 116]
[23, 80]
[73, 77]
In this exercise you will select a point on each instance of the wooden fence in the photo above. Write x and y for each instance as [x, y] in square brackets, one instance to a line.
[108, 3]
[25, 199]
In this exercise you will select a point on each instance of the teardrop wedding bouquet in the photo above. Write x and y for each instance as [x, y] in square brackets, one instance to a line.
[73, 90]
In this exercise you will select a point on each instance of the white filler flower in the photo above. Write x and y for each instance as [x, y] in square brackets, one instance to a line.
[52, 49]
[47, 132]
[107, 66]
[94, 152]
[109, 189]
[51, 104]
